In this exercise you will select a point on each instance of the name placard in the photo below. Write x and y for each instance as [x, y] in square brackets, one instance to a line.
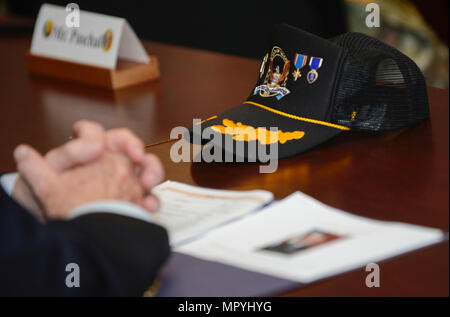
[99, 40]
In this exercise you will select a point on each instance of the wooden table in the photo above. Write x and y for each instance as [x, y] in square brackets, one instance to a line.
[399, 176]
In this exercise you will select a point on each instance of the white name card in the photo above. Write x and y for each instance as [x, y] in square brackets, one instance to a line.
[99, 40]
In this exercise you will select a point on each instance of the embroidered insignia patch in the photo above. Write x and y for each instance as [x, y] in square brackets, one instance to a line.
[275, 80]
[242, 132]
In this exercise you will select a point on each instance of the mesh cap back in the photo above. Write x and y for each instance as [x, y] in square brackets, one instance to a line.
[379, 87]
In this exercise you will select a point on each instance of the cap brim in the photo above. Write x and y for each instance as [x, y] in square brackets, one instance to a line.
[303, 135]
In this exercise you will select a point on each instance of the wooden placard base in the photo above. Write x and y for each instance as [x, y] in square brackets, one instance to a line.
[126, 74]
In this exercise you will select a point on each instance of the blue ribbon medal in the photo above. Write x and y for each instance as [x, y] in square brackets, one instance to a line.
[299, 62]
[315, 63]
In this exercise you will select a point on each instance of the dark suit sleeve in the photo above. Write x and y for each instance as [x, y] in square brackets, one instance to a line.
[116, 255]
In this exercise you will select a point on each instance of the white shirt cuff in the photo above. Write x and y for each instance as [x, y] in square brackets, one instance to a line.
[116, 207]
[8, 181]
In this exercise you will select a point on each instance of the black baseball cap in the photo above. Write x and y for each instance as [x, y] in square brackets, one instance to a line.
[312, 89]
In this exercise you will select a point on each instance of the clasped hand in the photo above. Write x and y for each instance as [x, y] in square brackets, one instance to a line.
[95, 165]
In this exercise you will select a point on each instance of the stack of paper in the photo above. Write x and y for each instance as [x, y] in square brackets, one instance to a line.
[297, 238]
[189, 211]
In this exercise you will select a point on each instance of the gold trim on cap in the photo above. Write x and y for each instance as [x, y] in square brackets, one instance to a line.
[291, 116]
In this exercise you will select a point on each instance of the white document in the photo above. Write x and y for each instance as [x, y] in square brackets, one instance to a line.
[189, 211]
[98, 40]
[304, 240]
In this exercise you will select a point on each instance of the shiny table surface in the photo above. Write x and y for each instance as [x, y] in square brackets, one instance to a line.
[398, 176]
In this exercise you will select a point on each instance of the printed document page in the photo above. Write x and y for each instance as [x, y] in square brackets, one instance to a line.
[188, 211]
[303, 240]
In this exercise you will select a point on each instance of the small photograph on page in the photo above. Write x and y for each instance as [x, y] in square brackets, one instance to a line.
[302, 242]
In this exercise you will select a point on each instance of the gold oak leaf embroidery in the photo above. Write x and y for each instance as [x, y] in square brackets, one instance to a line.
[242, 132]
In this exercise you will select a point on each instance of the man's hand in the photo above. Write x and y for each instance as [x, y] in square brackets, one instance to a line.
[90, 144]
[111, 177]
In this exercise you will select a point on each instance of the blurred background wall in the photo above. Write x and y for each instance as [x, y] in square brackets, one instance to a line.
[235, 27]
[418, 28]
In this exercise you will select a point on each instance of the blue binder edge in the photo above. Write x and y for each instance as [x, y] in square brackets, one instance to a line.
[184, 275]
